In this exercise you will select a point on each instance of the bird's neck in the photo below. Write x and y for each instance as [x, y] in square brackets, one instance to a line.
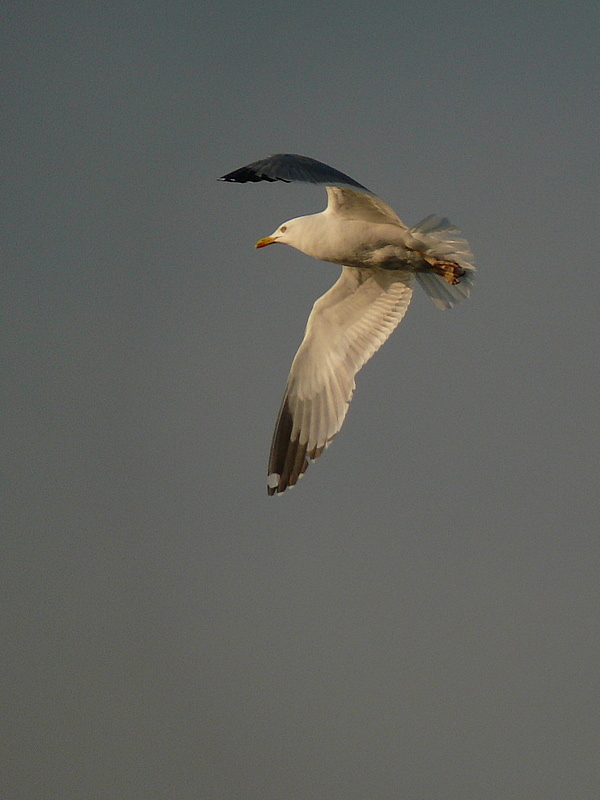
[318, 236]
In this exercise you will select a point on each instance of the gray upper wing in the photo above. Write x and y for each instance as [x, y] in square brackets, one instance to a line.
[288, 167]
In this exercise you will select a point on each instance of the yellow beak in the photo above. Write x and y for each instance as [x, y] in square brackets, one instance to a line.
[264, 242]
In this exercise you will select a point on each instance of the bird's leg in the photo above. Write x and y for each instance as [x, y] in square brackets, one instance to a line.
[450, 271]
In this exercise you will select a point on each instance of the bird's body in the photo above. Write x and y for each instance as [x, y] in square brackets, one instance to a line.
[381, 257]
[349, 242]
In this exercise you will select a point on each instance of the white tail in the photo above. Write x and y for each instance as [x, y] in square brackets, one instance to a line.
[438, 237]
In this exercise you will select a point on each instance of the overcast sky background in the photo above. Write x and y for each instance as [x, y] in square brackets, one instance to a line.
[419, 618]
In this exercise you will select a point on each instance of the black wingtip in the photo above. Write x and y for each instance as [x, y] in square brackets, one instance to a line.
[247, 175]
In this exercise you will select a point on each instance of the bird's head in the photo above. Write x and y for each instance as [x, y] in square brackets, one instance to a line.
[283, 235]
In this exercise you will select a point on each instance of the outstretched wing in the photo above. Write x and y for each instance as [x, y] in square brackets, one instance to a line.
[346, 196]
[289, 167]
[346, 326]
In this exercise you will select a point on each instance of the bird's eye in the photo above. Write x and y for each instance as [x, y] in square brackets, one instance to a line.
[283, 228]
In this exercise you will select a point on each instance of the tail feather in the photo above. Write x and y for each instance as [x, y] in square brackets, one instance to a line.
[438, 237]
[442, 294]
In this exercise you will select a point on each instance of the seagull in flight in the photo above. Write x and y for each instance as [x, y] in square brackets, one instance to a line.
[380, 258]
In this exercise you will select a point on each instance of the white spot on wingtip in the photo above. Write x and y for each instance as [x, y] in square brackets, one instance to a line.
[273, 480]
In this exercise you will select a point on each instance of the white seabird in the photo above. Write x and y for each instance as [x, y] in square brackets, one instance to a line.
[380, 258]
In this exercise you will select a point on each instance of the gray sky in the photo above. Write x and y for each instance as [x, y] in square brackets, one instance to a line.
[419, 617]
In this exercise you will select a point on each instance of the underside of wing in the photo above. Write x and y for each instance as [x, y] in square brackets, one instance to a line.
[289, 167]
[346, 326]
